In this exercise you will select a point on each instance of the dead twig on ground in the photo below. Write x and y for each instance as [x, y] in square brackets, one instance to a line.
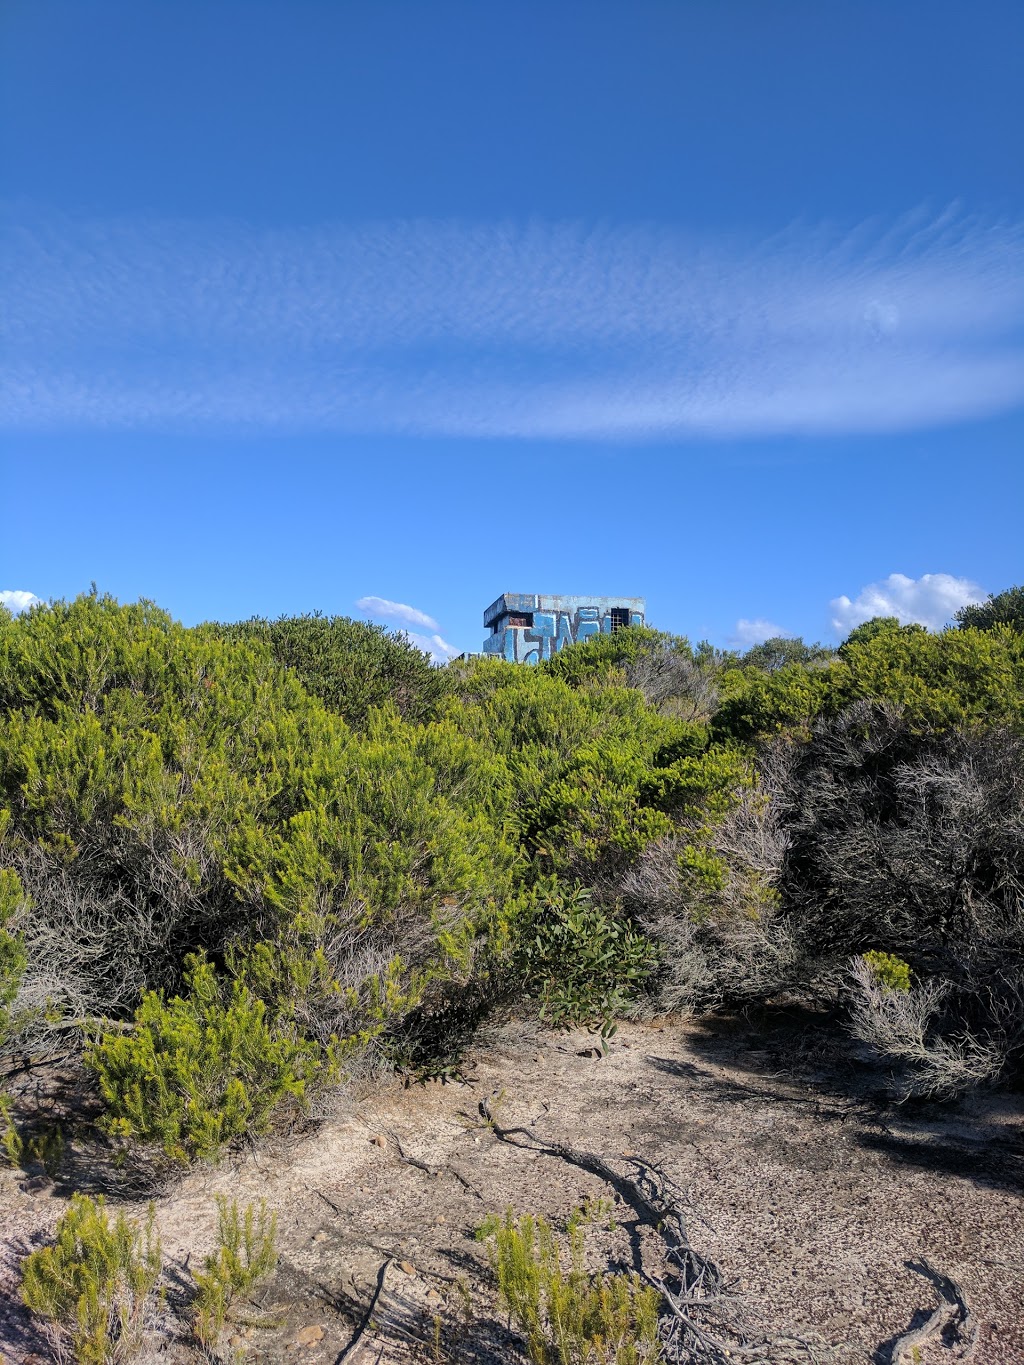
[365, 1321]
[432, 1171]
[466, 1184]
[952, 1316]
[703, 1323]
[329, 1202]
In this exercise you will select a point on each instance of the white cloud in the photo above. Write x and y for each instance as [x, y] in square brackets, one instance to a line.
[431, 643]
[396, 611]
[536, 330]
[439, 650]
[757, 631]
[17, 599]
[930, 600]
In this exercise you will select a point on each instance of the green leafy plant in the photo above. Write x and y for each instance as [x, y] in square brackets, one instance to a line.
[44, 1146]
[584, 964]
[200, 1070]
[13, 903]
[600, 1210]
[243, 1257]
[95, 1285]
[888, 970]
[567, 1316]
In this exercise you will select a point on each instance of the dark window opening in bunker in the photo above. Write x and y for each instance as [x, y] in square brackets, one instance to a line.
[620, 618]
[522, 618]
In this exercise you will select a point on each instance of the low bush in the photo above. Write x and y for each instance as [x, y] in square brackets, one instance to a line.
[167, 793]
[919, 1033]
[95, 1286]
[603, 656]
[39, 1144]
[709, 897]
[999, 609]
[567, 1316]
[958, 678]
[584, 964]
[14, 905]
[199, 1070]
[352, 666]
[243, 1257]
[231, 855]
[887, 970]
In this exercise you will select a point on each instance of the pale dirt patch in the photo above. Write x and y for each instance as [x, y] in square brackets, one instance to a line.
[811, 1193]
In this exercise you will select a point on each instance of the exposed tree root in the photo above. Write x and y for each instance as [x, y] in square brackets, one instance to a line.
[703, 1322]
[952, 1318]
[367, 1318]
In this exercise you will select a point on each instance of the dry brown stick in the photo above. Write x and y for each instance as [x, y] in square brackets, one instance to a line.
[346, 1353]
[648, 1193]
[329, 1202]
[952, 1312]
[652, 1198]
[466, 1185]
[432, 1171]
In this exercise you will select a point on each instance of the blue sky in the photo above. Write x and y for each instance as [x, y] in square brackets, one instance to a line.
[403, 305]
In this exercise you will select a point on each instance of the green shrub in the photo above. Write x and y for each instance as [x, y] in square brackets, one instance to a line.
[595, 817]
[567, 1316]
[602, 656]
[13, 903]
[200, 1070]
[583, 963]
[165, 791]
[1004, 608]
[95, 1285]
[362, 844]
[243, 1257]
[957, 678]
[888, 970]
[775, 653]
[352, 666]
[42, 1145]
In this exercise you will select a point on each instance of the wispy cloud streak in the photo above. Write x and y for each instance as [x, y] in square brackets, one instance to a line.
[534, 330]
[747, 633]
[432, 643]
[383, 608]
[440, 650]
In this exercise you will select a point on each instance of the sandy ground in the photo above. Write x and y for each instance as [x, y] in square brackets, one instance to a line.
[812, 1193]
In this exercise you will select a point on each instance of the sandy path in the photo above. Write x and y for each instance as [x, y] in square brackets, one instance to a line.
[814, 1198]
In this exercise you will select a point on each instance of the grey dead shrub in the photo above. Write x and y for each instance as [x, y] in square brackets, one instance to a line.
[113, 921]
[676, 681]
[911, 842]
[724, 940]
[900, 1028]
[901, 838]
[869, 835]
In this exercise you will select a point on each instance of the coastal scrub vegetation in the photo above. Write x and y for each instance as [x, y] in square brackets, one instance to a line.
[239, 863]
[565, 1315]
[95, 1286]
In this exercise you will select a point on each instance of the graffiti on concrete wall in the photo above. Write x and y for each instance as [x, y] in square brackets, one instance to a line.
[526, 628]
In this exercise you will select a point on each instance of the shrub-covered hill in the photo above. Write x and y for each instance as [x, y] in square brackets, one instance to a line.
[235, 860]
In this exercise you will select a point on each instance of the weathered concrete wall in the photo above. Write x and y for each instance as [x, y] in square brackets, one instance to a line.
[527, 627]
